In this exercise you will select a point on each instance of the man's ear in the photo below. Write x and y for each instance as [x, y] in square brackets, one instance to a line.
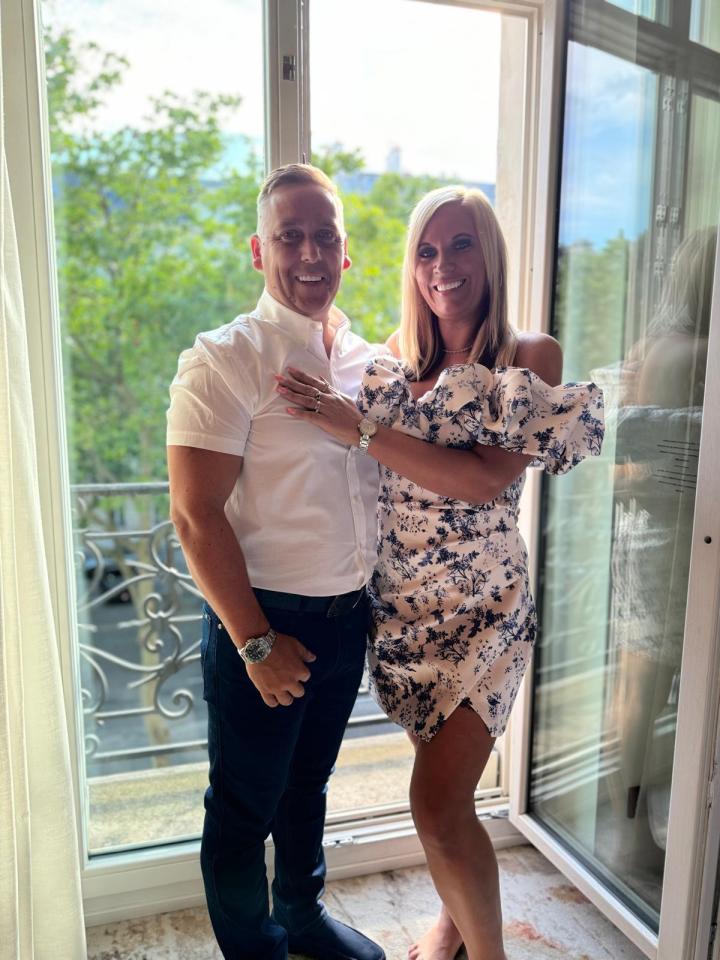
[256, 248]
[347, 262]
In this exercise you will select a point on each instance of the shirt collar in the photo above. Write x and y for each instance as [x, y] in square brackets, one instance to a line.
[299, 326]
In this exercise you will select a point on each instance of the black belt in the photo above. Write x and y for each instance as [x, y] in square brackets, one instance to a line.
[331, 606]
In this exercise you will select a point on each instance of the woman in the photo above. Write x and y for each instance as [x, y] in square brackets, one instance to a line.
[468, 407]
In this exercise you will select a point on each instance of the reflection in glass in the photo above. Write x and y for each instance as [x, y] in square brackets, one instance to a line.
[632, 309]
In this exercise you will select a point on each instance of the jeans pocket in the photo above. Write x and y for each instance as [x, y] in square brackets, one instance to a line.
[208, 653]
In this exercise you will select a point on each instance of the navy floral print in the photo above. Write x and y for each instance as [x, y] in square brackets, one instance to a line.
[454, 619]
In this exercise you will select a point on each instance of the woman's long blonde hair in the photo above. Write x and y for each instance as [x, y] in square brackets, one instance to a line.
[419, 337]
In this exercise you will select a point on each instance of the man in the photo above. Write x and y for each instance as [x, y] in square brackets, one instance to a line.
[278, 524]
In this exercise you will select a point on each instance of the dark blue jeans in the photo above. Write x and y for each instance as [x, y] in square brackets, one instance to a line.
[269, 769]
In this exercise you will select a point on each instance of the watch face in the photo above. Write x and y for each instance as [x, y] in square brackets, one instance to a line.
[257, 650]
[367, 427]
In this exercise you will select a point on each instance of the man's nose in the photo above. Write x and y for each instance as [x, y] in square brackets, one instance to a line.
[309, 250]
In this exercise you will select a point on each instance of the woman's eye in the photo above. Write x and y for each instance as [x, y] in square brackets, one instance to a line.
[463, 243]
[426, 252]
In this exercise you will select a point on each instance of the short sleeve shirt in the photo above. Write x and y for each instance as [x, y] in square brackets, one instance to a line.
[304, 507]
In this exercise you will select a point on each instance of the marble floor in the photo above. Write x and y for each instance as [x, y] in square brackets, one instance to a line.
[545, 918]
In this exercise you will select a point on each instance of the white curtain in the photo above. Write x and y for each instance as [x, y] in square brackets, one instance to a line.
[40, 899]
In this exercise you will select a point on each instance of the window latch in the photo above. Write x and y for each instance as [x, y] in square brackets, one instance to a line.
[289, 67]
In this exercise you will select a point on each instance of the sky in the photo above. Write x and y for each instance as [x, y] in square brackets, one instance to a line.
[384, 74]
[393, 85]
[608, 147]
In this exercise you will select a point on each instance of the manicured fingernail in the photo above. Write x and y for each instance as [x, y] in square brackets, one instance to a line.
[292, 410]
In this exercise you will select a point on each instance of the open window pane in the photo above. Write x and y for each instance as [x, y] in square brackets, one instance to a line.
[635, 260]
[156, 116]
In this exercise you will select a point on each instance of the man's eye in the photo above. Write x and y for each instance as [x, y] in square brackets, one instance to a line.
[327, 236]
[290, 236]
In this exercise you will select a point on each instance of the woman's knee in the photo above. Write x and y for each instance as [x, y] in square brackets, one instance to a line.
[441, 819]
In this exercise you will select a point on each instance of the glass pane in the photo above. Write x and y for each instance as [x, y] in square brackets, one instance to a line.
[650, 9]
[156, 165]
[389, 127]
[638, 228]
[705, 23]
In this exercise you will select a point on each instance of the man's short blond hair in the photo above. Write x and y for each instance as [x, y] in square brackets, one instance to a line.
[291, 175]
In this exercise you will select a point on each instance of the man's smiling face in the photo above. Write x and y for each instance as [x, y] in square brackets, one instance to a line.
[302, 248]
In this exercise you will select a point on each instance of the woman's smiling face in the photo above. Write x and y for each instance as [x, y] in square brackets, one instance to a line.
[449, 265]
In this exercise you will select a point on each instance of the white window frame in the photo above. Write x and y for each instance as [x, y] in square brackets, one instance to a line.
[123, 885]
[287, 82]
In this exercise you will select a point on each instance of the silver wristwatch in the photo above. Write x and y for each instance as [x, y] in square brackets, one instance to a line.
[258, 649]
[367, 429]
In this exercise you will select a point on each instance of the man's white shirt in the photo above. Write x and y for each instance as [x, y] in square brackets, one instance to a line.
[304, 508]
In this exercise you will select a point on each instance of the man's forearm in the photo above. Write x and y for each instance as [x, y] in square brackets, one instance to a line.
[218, 567]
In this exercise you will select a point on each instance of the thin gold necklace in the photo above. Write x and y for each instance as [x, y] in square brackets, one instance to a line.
[462, 349]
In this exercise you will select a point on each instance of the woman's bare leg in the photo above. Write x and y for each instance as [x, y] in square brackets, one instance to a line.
[442, 941]
[459, 852]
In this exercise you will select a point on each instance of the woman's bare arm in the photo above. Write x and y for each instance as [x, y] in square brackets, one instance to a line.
[475, 476]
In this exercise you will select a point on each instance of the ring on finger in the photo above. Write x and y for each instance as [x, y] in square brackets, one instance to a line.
[317, 395]
[325, 385]
[317, 405]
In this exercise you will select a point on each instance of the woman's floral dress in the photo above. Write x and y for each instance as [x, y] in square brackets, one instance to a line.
[454, 620]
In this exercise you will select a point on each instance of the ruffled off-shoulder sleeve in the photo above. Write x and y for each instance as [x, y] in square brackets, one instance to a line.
[384, 387]
[513, 408]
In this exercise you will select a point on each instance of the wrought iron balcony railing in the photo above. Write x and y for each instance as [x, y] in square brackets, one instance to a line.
[139, 617]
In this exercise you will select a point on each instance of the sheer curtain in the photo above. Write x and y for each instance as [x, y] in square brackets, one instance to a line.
[40, 899]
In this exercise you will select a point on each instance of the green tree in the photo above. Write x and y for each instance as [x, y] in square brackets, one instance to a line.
[149, 253]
